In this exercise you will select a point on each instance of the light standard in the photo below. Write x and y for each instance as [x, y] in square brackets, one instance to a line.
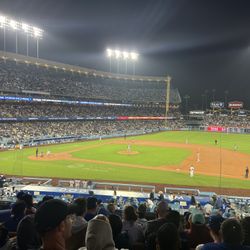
[14, 26]
[3, 26]
[117, 57]
[38, 35]
[134, 57]
[25, 28]
[109, 55]
[125, 57]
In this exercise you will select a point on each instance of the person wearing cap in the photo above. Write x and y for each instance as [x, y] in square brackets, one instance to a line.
[232, 237]
[53, 222]
[198, 232]
[214, 224]
[91, 208]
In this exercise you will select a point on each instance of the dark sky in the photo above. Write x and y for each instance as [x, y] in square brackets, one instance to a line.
[203, 45]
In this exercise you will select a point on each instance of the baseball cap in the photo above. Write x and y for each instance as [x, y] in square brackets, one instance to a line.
[50, 214]
[214, 222]
[198, 218]
[91, 202]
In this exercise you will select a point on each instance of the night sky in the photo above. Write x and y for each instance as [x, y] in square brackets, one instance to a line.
[203, 45]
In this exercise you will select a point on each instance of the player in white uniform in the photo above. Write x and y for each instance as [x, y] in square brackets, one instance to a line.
[129, 148]
[198, 157]
[191, 171]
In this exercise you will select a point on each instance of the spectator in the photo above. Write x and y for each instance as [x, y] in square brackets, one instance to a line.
[99, 234]
[91, 208]
[246, 231]
[79, 225]
[17, 213]
[154, 225]
[214, 225]
[232, 237]
[198, 232]
[134, 230]
[141, 211]
[53, 222]
[168, 237]
[120, 238]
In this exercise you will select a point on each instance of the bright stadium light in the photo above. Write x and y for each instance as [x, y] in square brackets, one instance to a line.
[7, 23]
[13, 24]
[38, 33]
[117, 54]
[25, 27]
[134, 56]
[3, 21]
[109, 52]
[124, 55]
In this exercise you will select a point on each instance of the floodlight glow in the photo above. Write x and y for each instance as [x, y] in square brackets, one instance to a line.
[125, 55]
[25, 27]
[109, 52]
[134, 56]
[2, 20]
[117, 54]
[37, 32]
[13, 24]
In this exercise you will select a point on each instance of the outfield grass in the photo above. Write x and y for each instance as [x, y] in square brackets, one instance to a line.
[17, 162]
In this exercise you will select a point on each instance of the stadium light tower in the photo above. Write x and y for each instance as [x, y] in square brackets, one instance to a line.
[122, 55]
[26, 28]
[134, 57]
[38, 33]
[117, 57]
[7, 23]
[109, 55]
[3, 25]
[14, 26]
[126, 57]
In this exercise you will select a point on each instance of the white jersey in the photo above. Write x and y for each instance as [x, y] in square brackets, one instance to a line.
[191, 171]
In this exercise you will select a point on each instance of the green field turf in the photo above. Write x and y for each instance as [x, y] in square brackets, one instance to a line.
[17, 163]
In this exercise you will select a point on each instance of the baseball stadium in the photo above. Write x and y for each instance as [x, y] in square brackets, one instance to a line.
[114, 143]
[112, 136]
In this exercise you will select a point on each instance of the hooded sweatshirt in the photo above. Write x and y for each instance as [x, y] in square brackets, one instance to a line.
[99, 235]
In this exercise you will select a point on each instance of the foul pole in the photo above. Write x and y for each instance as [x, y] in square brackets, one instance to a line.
[168, 80]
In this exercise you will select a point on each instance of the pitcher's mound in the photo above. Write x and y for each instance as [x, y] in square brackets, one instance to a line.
[126, 152]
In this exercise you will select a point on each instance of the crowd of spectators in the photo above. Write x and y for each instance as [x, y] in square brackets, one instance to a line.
[91, 224]
[17, 109]
[20, 77]
[233, 121]
[28, 131]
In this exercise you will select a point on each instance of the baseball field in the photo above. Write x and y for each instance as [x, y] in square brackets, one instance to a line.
[162, 158]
